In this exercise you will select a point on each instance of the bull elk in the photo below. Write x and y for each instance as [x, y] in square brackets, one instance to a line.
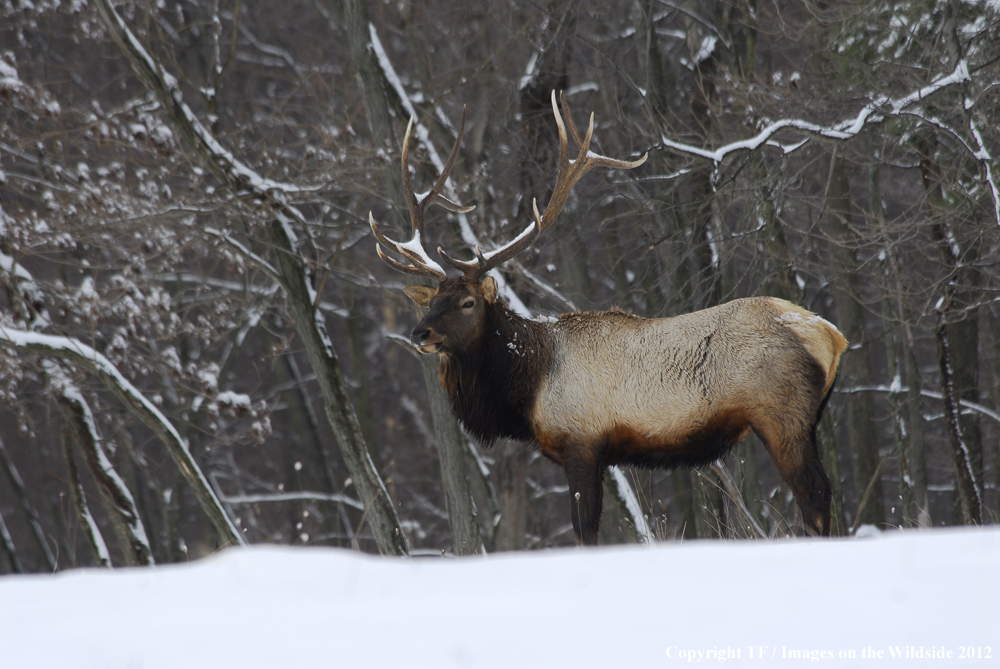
[604, 388]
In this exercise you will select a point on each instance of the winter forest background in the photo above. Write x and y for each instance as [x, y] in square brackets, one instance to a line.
[201, 347]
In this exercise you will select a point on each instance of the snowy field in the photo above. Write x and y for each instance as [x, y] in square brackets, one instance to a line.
[912, 593]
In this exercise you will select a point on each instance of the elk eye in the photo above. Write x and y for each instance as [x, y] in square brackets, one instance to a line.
[469, 304]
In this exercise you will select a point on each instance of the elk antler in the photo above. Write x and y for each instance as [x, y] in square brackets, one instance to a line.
[413, 250]
[570, 171]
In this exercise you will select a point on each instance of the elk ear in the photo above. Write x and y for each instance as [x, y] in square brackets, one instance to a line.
[489, 289]
[420, 294]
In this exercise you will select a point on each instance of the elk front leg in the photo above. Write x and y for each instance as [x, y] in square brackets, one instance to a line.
[586, 493]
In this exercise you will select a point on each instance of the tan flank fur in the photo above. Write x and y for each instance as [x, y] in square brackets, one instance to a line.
[656, 378]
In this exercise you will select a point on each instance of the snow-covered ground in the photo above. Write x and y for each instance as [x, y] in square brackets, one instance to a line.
[919, 592]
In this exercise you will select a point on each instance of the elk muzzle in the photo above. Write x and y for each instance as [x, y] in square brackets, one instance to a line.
[426, 339]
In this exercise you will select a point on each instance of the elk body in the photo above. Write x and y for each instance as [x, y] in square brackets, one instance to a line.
[603, 388]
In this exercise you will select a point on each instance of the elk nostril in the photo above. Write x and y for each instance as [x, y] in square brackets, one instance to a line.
[418, 337]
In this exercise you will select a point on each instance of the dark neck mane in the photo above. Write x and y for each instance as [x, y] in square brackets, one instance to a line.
[493, 384]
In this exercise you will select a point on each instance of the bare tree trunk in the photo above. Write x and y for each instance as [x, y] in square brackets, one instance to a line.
[308, 442]
[967, 488]
[991, 350]
[336, 402]
[7, 544]
[361, 373]
[309, 428]
[173, 507]
[79, 498]
[484, 494]
[894, 352]
[656, 80]
[827, 438]
[371, 82]
[917, 462]
[17, 483]
[141, 480]
[958, 321]
[462, 516]
[449, 439]
[512, 494]
[540, 157]
[856, 364]
[965, 365]
[118, 498]
[709, 288]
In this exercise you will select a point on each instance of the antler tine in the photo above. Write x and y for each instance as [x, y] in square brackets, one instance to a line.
[413, 250]
[570, 171]
[484, 262]
[597, 160]
[569, 118]
[416, 214]
[434, 193]
[466, 267]
[409, 269]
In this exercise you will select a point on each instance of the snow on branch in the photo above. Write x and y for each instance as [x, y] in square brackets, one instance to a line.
[979, 152]
[235, 287]
[167, 89]
[547, 288]
[77, 351]
[983, 156]
[27, 290]
[874, 112]
[965, 404]
[116, 492]
[303, 495]
[79, 498]
[245, 252]
[708, 24]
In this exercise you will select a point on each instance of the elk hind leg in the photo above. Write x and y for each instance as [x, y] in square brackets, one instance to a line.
[797, 459]
[586, 493]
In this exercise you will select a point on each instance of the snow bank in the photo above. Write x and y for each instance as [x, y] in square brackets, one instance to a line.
[618, 607]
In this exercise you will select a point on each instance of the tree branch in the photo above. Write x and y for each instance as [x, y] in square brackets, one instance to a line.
[77, 351]
[29, 509]
[116, 492]
[874, 112]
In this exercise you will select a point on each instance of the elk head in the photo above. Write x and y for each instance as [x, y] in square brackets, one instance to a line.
[458, 306]
[457, 313]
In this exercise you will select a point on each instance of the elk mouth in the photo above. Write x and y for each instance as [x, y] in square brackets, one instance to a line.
[427, 341]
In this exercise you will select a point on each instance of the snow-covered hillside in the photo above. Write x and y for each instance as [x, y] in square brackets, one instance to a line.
[621, 607]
